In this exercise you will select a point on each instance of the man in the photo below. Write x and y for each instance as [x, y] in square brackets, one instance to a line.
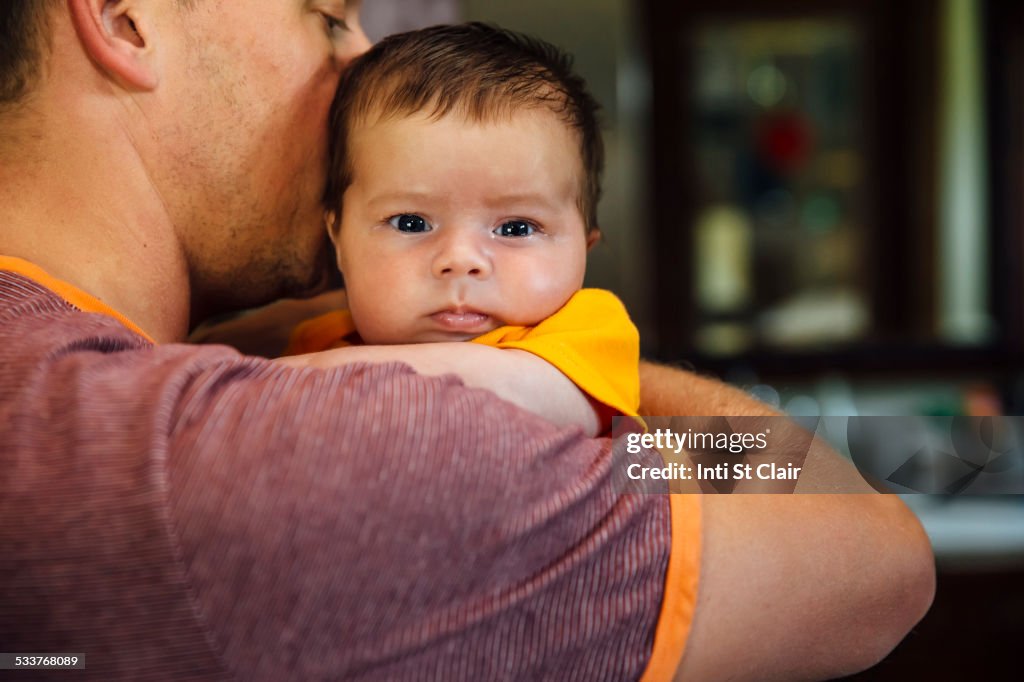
[181, 512]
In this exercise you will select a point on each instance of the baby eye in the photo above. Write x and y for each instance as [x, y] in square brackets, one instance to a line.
[515, 228]
[409, 222]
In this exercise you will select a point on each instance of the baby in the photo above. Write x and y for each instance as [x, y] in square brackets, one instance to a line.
[462, 198]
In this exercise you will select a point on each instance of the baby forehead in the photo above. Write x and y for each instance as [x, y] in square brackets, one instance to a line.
[526, 152]
[533, 136]
[507, 114]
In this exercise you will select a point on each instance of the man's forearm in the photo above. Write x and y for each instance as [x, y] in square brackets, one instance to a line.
[670, 391]
[667, 391]
[519, 377]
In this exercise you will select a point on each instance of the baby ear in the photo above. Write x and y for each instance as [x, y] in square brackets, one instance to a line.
[593, 237]
[119, 37]
[332, 221]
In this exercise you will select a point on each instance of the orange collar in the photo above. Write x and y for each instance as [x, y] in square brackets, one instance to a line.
[68, 292]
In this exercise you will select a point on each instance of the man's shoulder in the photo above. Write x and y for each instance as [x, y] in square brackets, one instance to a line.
[23, 297]
[55, 355]
[57, 360]
[36, 324]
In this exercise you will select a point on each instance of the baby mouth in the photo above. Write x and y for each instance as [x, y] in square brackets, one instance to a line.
[462, 319]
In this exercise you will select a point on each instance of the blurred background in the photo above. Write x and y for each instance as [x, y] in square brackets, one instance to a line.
[822, 202]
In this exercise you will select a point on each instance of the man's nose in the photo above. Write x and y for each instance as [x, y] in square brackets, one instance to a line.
[462, 256]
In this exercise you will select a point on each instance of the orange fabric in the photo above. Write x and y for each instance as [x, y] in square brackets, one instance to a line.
[68, 292]
[680, 597]
[590, 339]
[322, 332]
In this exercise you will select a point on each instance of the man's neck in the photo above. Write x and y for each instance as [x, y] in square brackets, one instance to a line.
[92, 218]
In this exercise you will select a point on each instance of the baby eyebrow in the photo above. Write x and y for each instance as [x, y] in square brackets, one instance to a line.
[530, 202]
[525, 200]
[390, 198]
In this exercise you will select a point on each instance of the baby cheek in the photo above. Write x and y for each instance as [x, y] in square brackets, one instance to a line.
[384, 303]
[543, 292]
[375, 329]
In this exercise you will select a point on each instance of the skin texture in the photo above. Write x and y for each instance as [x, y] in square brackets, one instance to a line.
[461, 184]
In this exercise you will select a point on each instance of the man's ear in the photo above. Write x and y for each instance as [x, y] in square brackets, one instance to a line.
[593, 237]
[118, 36]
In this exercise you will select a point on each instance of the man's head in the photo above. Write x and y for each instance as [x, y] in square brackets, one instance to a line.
[465, 176]
[207, 116]
[248, 157]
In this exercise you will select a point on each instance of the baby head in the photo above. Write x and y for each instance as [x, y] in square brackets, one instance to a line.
[464, 181]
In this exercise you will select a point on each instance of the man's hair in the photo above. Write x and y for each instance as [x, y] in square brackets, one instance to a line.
[24, 39]
[475, 70]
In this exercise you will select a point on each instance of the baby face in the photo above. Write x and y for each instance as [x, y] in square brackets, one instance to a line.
[451, 228]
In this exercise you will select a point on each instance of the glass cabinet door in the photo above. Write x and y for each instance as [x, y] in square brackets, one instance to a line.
[820, 179]
[779, 241]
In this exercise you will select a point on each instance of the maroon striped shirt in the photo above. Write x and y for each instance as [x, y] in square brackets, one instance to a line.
[180, 512]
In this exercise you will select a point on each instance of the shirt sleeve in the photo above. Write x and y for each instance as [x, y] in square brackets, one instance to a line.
[192, 513]
[592, 341]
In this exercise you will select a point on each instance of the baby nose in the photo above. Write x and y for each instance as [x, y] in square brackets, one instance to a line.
[460, 257]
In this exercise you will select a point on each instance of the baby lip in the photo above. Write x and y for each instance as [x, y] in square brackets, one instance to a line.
[462, 318]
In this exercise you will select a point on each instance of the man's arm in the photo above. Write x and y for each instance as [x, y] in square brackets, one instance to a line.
[805, 586]
[669, 391]
[795, 586]
[519, 377]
